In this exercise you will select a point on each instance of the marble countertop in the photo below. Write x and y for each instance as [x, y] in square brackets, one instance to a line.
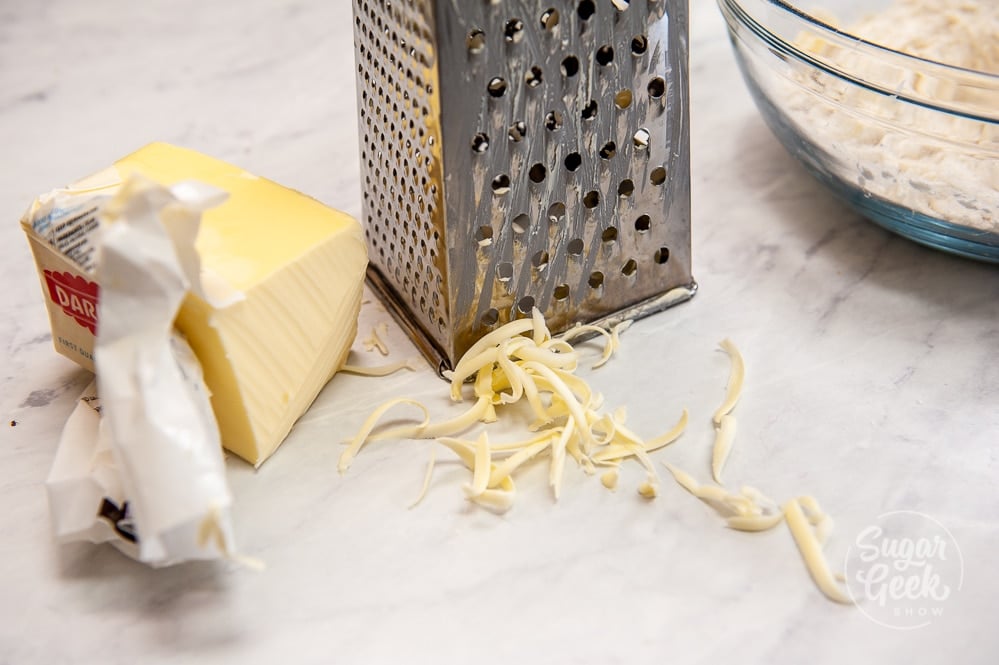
[872, 384]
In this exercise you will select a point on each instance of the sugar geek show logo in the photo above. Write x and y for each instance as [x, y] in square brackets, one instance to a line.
[904, 569]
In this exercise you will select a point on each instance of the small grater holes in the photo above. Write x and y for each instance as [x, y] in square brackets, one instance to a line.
[658, 176]
[490, 318]
[504, 272]
[605, 55]
[556, 212]
[520, 224]
[496, 87]
[622, 99]
[561, 293]
[540, 260]
[501, 184]
[592, 199]
[596, 281]
[570, 66]
[661, 256]
[657, 87]
[533, 77]
[549, 19]
[643, 223]
[626, 188]
[629, 268]
[572, 162]
[553, 121]
[537, 173]
[589, 111]
[513, 32]
[517, 131]
[641, 139]
[526, 305]
[586, 9]
[575, 247]
[639, 45]
[480, 143]
[608, 150]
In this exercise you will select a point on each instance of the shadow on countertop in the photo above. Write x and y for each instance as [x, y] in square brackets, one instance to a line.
[828, 240]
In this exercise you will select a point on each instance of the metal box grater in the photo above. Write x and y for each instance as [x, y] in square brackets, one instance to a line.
[519, 154]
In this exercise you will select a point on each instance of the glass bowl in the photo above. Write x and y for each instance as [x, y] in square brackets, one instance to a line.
[910, 143]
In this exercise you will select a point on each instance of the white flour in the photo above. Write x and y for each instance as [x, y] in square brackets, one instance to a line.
[939, 164]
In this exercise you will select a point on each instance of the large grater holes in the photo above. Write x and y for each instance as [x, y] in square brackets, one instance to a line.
[629, 268]
[537, 173]
[622, 99]
[549, 19]
[605, 55]
[589, 111]
[639, 45]
[480, 143]
[517, 131]
[641, 139]
[570, 66]
[586, 9]
[513, 31]
[592, 199]
[553, 121]
[496, 87]
[658, 176]
[520, 224]
[476, 42]
[501, 184]
[657, 87]
[534, 77]
[661, 256]
[573, 161]
[608, 150]
[643, 223]
[556, 212]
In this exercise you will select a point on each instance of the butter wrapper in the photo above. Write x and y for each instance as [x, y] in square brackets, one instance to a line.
[140, 462]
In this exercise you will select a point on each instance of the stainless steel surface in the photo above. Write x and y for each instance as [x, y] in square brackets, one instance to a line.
[519, 154]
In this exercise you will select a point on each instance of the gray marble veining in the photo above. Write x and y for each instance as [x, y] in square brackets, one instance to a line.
[873, 384]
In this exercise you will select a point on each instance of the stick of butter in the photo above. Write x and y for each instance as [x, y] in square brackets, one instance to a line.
[275, 313]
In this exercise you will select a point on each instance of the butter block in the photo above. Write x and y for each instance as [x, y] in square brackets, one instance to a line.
[282, 272]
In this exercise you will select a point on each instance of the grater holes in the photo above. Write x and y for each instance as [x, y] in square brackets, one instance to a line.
[533, 77]
[525, 305]
[520, 224]
[626, 188]
[537, 173]
[513, 31]
[629, 268]
[622, 99]
[589, 111]
[490, 318]
[641, 139]
[605, 55]
[553, 121]
[592, 199]
[480, 143]
[608, 150]
[517, 131]
[501, 184]
[575, 247]
[504, 272]
[572, 163]
[561, 293]
[658, 176]
[596, 280]
[661, 256]
[586, 9]
[496, 87]
[639, 44]
[570, 66]
[540, 260]
[549, 19]
[643, 223]
[556, 212]
[609, 235]
[657, 87]
[484, 236]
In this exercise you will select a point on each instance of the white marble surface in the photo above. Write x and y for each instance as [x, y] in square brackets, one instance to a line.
[873, 384]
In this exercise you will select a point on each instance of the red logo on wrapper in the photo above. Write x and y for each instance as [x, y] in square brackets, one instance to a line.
[76, 296]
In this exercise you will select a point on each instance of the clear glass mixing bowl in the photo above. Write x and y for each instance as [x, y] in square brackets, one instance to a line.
[912, 144]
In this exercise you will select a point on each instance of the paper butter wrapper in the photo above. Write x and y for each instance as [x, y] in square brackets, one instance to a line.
[140, 462]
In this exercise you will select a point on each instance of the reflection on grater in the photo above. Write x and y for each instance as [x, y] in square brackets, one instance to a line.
[518, 154]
